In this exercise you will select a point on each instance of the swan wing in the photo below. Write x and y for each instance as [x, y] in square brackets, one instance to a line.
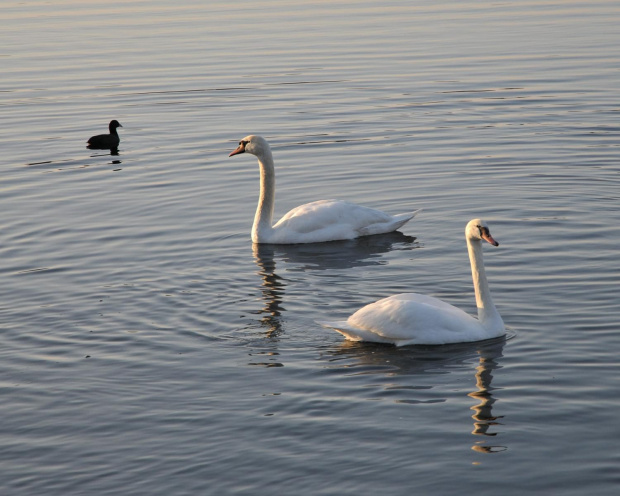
[411, 318]
[329, 220]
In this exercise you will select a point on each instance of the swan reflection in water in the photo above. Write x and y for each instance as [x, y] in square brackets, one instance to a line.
[483, 411]
[387, 360]
[360, 252]
[272, 290]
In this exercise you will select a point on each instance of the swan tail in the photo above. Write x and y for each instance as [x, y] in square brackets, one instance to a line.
[357, 334]
[396, 223]
[402, 219]
[343, 328]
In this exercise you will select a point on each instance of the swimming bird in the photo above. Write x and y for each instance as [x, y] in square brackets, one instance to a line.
[106, 141]
[323, 220]
[412, 318]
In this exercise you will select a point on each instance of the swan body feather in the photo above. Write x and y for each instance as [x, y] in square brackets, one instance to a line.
[330, 220]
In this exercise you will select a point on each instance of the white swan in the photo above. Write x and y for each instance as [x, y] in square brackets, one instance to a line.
[412, 318]
[324, 220]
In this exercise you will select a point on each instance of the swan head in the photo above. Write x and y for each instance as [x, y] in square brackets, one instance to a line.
[256, 145]
[477, 229]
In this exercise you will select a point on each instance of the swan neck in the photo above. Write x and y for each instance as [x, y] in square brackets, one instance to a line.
[266, 200]
[487, 313]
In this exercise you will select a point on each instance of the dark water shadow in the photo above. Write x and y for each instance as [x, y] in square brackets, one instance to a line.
[390, 361]
[49, 166]
[113, 153]
[359, 252]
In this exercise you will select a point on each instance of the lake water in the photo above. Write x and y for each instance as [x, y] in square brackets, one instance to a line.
[147, 348]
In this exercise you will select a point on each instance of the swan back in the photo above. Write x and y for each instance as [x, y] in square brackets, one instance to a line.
[434, 321]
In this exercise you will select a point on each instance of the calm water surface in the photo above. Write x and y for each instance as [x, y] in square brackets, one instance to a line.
[148, 348]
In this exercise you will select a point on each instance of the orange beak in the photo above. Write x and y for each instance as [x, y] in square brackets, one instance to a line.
[489, 239]
[240, 149]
